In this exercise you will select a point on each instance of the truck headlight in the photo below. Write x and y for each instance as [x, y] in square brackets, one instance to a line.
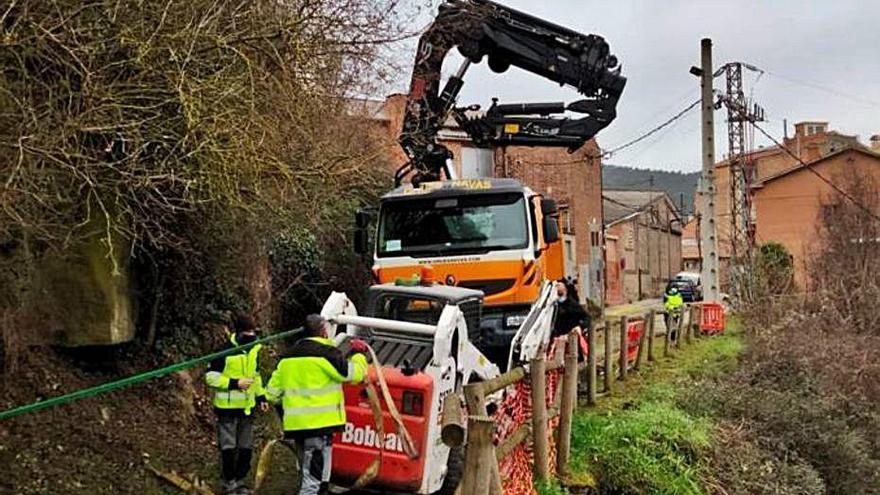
[514, 320]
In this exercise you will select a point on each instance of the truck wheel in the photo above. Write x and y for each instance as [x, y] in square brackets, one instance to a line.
[454, 472]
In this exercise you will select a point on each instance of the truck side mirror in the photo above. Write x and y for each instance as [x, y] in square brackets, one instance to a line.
[551, 230]
[361, 219]
[550, 211]
[360, 241]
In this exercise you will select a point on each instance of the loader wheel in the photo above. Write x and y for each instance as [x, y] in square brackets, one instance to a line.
[454, 472]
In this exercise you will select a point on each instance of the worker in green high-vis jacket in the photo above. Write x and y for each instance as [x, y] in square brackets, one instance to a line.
[307, 385]
[238, 390]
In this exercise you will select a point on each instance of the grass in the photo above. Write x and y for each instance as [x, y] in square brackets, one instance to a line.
[640, 440]
[550, 488]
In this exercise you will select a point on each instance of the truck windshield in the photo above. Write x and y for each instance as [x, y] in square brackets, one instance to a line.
[455, 225]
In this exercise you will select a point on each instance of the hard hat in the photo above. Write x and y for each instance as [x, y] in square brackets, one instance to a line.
[673, 291]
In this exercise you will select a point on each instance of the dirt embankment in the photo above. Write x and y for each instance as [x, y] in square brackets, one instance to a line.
[99, 445]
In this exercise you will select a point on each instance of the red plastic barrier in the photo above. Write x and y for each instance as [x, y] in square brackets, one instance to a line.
[711, 318]
[634, 331]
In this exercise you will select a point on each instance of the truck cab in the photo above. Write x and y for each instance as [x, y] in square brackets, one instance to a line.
[496, 236]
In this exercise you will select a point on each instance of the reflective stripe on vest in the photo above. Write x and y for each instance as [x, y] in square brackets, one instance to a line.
[312, 410]
[311, 392]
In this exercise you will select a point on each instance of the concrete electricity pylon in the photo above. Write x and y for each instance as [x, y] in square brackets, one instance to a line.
[708, 238]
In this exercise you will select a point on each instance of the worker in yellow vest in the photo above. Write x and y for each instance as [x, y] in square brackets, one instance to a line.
[238, 389]
[308, 385]
[672, 302]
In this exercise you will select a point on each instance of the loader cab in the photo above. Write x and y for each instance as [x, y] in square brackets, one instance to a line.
[424, 304]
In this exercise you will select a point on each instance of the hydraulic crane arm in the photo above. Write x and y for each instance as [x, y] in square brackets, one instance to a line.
[535, 124]
[507, 37]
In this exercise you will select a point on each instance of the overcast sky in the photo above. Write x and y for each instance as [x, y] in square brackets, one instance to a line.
[822, 60]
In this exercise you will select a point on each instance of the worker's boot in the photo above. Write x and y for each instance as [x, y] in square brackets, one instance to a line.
[242, 467]
[227, 465]
[231, 487]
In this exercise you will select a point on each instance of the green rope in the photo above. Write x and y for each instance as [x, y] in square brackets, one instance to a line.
[135, 379]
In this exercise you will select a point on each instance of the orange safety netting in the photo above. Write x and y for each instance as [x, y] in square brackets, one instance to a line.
[516, 410]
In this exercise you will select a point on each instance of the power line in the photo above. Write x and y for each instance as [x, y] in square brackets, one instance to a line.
[610, 152]
[682, 113]
[806, 165]
[826, 89]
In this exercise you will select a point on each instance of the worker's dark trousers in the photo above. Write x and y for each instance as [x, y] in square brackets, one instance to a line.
[315, 461]
[235, 437]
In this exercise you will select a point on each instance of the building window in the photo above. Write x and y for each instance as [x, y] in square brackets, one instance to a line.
[816, 129]
[565, 221]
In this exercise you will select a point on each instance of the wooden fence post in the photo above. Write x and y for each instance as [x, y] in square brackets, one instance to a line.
[652, 316]
[452, 428]
[678, 327]
[566, 408]
[643, 337]
[667, 337]
[624, 323]
[475, 399]
[477, 468]
[591, 365]
[539, 419]
[609, 362]
[690, 325]
[696, 323]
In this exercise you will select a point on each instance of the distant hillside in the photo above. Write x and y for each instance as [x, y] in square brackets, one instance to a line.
[674, 183]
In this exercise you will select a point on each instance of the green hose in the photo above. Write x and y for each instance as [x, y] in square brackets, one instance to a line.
[135, 379]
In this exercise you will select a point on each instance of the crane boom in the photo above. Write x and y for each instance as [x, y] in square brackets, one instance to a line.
[506, 37]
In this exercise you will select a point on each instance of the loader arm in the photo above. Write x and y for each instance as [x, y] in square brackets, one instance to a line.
[506, 37]
[533, 336]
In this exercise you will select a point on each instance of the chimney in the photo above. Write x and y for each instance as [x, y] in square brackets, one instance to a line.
[875, 142]
[804, 129]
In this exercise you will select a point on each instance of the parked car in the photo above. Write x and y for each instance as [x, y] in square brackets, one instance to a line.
[686, 288]
[694, 278]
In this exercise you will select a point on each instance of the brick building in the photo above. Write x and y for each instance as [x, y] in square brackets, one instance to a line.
[787, 203]
[690, 249]
[643, 243]
[811, 141]
[574, 180]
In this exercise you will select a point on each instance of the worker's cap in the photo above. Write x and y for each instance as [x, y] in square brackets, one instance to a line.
[314, 323]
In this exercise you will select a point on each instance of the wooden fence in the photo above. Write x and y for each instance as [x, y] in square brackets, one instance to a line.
[543, 440]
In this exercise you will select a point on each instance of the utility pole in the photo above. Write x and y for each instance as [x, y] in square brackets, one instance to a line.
[709, 248]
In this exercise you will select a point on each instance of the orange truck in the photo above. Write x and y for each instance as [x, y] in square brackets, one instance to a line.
[493, 235]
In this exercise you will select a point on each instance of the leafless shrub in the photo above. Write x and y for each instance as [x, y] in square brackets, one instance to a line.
[844, 274]
[131, 122]
[765, 287]
[808, 387]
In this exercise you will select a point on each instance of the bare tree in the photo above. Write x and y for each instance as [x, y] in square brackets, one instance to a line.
[132, 122]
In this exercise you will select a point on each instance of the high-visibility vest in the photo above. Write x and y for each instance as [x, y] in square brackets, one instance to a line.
[673, 302]
[239, 365]
[310, 389]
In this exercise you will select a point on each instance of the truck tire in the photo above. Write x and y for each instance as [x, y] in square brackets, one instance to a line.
[454, 472]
